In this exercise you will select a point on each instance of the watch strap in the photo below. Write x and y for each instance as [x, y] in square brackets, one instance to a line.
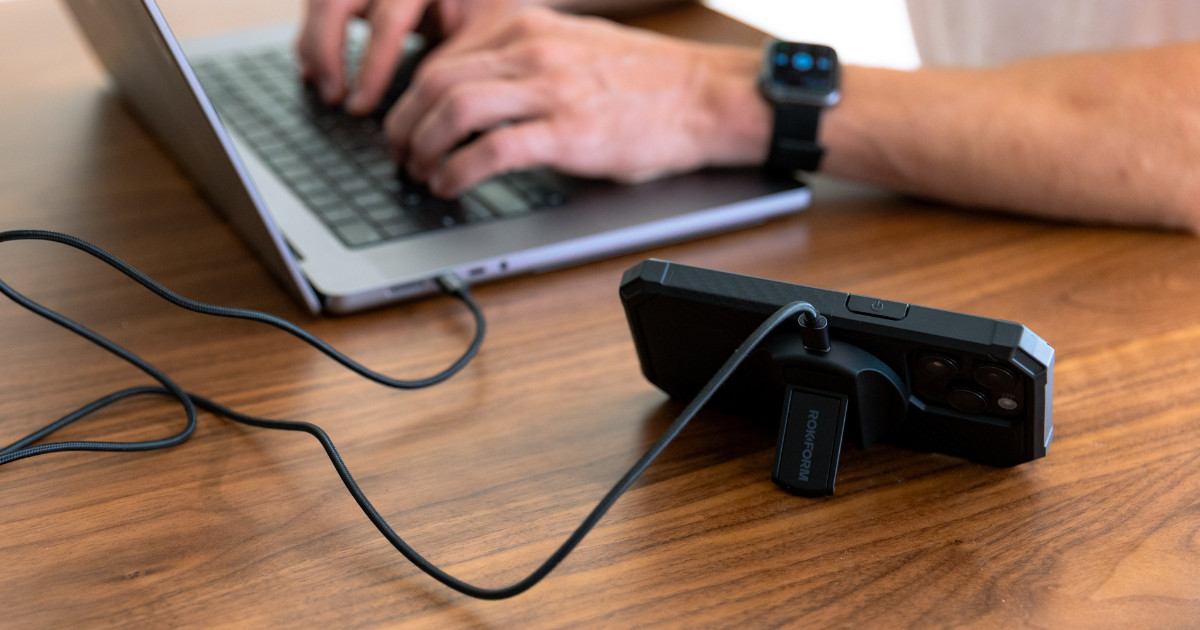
[794, 141]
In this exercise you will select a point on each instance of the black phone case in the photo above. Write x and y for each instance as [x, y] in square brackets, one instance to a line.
[686, 321]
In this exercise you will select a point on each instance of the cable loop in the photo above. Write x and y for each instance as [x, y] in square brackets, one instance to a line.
[28, 447]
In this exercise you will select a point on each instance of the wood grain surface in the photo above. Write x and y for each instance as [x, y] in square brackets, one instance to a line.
[487, 473]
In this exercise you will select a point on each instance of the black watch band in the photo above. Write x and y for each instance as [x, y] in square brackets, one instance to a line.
[798, 81]
[794, 139]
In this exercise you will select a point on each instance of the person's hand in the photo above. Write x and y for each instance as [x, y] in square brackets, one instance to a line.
[323, 39]
[582, 95]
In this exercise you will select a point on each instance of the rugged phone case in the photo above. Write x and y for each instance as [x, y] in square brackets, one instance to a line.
[968, 386]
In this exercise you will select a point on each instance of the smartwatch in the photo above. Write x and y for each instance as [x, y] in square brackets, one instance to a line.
[798, 81]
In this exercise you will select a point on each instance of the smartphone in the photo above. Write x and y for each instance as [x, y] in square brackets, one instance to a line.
[917, 377]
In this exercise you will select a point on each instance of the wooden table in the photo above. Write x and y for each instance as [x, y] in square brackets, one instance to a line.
[487, 473]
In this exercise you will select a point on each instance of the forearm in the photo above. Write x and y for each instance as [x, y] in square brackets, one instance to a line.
[1109, 137]
[1105, 137]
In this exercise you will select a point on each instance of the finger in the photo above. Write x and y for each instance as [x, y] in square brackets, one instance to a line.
[430, 84]
[508, 51]
[322, 40]
[467, 109]
[390, 23]
[518, 147]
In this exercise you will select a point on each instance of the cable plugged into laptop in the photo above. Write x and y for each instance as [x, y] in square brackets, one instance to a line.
[451, 284]
[811, 323]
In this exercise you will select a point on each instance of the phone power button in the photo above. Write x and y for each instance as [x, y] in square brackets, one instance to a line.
[875, 307]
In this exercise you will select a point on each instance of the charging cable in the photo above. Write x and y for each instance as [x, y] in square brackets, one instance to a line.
[805, 315]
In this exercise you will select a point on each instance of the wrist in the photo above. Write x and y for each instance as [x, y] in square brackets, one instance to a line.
[735, 122]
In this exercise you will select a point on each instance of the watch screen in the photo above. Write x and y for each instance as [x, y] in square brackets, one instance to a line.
[810, 67]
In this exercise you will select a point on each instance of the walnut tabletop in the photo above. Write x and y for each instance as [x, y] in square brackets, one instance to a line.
[487, 473]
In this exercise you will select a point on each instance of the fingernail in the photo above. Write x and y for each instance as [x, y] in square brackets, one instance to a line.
[355, 104]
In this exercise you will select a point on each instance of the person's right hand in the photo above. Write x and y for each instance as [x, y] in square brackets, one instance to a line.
[582, 95]
[323, 38]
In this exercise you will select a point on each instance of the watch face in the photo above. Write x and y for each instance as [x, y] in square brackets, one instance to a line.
[801, 73]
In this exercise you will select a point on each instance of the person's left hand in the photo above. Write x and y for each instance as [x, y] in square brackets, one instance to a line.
[582, 95]
[322, 38]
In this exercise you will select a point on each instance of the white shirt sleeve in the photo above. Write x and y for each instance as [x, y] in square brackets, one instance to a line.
[991, 32]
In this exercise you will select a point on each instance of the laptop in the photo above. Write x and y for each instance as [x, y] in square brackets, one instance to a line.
[312, 192]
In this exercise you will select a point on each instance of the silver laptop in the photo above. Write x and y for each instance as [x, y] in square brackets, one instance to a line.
[313, 193]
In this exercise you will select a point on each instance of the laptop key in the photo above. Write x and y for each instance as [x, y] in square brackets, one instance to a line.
[357, 234]
[400, 226]
[474, 210]
[308, 188]
[371, 199]
[372, 154]
[338, 171]
[537, 188]
[499, 198]
[292, 169]
[383, 214]
[353, 184]
[322, 200]
[392, 186]
[383, 171]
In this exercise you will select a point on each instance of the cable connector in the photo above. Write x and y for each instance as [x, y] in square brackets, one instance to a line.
[814, 330]
[453, 285]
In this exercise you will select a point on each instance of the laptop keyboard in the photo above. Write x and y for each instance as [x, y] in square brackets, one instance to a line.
[339, 165]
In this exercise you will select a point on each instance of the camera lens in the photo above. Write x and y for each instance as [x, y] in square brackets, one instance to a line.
[995, 377]
[967, 400]
[937, 366]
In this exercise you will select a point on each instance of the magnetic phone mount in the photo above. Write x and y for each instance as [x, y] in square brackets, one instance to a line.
[827, 395]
